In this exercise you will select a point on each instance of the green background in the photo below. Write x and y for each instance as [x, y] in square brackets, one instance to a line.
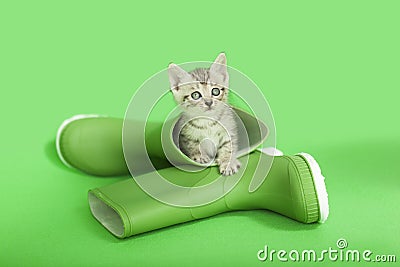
[329, 69]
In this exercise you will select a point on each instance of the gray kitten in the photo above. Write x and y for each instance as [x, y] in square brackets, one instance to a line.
[207, 128]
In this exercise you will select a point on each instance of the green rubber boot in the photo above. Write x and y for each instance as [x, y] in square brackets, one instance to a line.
[93, 143]
[294, 188]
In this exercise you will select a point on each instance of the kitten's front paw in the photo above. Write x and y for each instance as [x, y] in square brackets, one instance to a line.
[203, 159]
[229, 167]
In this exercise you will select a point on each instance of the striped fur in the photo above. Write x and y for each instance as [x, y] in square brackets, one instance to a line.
[207, 128]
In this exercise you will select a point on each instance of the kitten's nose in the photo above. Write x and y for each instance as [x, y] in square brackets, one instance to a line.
[209, 102]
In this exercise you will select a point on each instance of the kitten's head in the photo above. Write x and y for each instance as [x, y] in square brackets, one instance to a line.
[201, 91]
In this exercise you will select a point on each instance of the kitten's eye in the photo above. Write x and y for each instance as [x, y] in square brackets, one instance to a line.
[215, 92]
[196, 95]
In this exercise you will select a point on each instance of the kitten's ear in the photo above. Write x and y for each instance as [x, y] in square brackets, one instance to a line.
[219, 72]
[177, 76]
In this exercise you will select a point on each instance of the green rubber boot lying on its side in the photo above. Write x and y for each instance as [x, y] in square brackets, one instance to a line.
[290, 189]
